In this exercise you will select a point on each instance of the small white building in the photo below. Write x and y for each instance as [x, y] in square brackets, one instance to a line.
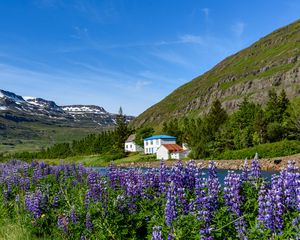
[131, 146]
[170, 151]
[179, 154]
[151, 144]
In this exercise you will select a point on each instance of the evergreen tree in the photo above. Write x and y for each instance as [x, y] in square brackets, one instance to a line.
[173, 128]
[216, 116]
[276, 106]
[260, 127]
[121, 131]
[143, 133]
[283, 104]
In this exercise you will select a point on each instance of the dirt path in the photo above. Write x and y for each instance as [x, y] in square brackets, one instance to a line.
[268, 164]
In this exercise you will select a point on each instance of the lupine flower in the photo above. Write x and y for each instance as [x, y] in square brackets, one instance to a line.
[163, 177]
[88, 222]
[245, 171]
[63, 222]
[73, 216]
[271, 205]
[255, 171]
[55, 201]
[33, 203]
[170, 209]
[189, 175]
[156, 233]
[210, 201]
[233, 200]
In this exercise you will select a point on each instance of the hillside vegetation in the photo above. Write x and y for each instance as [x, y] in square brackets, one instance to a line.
[271, 62]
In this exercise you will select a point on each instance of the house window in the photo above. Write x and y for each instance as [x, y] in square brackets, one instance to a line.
[146, 143]
[151, 142]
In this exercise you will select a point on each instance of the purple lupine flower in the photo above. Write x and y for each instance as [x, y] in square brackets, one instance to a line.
[296, 225]
[24, 184]
[55, 202]
[213, 185]
[73, 216]
[156, 233]
[151, 180]
[88, 222]
[33, 204]
[163, 178]
[210, 201]
[170, 209]
[200, 192]
[189, 177]
[245, 171]
[113, 176]
[170, 236]
[233, 200]
[63, 222]
[177, 177]
[271, 205]
[177, 174]
[289, 177]
[255, 171]
[297, 187]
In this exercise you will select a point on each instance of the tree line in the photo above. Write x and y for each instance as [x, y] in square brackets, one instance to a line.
[249, 126]
[108, 142]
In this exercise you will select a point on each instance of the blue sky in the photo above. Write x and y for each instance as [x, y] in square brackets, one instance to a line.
[129, 53]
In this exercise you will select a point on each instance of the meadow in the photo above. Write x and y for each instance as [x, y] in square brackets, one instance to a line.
[69, 201]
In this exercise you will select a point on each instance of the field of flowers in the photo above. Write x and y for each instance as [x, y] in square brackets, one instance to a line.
[182, 202]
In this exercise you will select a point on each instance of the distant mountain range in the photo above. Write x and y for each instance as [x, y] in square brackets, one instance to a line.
[271, 62]
[31, 109]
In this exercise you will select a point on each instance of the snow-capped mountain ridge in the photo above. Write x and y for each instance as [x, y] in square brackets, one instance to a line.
[40, 109]
[78, 109]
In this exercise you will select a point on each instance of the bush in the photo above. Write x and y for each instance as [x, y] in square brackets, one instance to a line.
[267, 150]
[275, 132]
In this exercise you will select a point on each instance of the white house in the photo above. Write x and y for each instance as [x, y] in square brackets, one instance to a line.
[179, 154]
[170, 151]
[131, 146]
[151, 144]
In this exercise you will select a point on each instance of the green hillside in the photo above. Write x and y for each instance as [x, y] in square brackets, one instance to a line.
[271, 62]
[33, 136]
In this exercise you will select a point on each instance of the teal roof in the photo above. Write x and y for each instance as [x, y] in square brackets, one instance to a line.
[160, 137]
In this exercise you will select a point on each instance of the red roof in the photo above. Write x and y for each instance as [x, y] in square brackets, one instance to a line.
[173, 147]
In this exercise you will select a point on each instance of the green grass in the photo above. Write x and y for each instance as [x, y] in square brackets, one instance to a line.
[35, 136]
[14, 231]
[268, 150]
[103, 160]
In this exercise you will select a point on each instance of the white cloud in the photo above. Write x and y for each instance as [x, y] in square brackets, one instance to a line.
[171, 56]
[140, 84]
[80, 33]
[206, 12]
[189, 38]
[238, 28]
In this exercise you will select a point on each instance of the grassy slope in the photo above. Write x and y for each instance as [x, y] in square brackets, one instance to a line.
[273, 50]
[34, 136]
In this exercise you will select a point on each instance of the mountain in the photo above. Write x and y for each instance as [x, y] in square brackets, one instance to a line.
[271, 62]
[30, 109]
[29, 123]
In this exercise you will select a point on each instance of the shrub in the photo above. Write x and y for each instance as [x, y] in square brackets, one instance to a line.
[267, 150]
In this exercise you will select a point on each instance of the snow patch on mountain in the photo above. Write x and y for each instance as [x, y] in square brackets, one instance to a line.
[80, 109]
